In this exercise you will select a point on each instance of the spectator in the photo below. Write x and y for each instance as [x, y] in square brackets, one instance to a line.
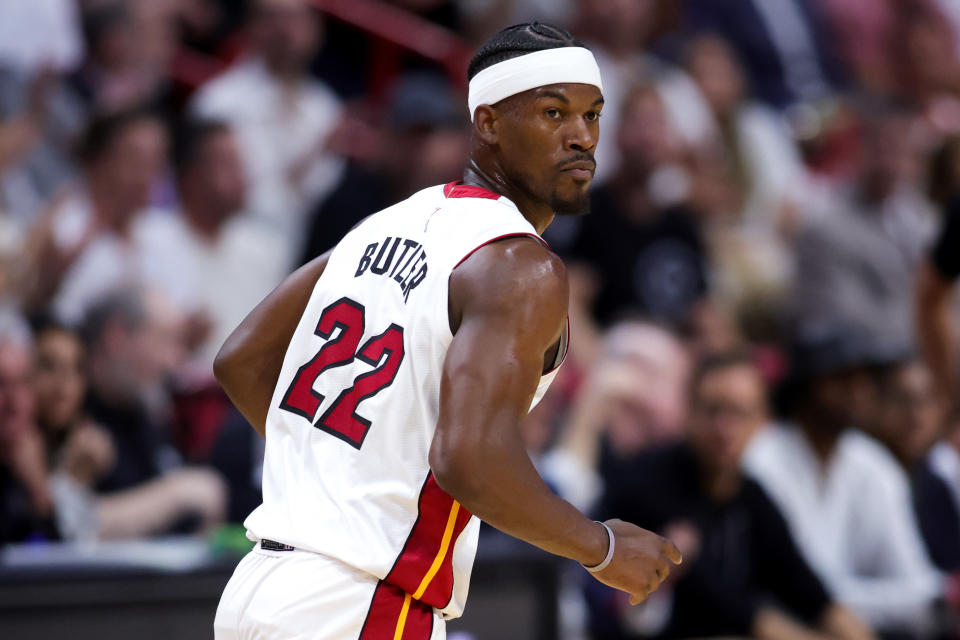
[134, 343]
[78, 451]
[844, 497]
[59, 384]
[856, 261]
[214, 261]
[761, 170]
[910, 419]
[85, 245]
[281, 115]
[742, 573]
[129, 47]
[631, 400]
[26, 506]
[640, 249]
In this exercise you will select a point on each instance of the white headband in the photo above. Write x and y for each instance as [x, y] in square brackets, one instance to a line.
[532, 70]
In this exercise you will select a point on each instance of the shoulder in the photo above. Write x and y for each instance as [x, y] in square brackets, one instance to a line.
[522, 263]
[224, 90]
[321, 96]
[870, 455]
[514, 280]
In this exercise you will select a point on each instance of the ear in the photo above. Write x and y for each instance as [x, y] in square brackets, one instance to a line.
[485, 124]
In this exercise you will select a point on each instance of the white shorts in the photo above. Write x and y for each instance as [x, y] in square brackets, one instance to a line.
[299, 594]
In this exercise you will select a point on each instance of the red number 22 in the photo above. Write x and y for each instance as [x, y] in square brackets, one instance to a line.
[341, 419]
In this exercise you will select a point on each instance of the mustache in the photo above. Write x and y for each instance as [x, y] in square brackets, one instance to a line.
[581, 156]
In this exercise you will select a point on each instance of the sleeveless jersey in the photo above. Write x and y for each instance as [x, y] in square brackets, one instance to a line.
[349, 429]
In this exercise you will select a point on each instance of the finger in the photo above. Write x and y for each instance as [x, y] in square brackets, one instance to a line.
[638, 598]
[670, 550]
[663, 571]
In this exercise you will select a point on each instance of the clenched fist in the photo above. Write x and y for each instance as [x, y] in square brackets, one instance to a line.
[641, 560]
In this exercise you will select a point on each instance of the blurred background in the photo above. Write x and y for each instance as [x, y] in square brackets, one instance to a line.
[763, 362]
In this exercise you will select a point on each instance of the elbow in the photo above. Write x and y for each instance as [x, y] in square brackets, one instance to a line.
[456, 471]
[223, 365]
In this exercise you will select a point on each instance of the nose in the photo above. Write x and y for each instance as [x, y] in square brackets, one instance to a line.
[581, 135]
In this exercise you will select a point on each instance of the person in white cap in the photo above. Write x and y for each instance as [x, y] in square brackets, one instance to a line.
[390, 375]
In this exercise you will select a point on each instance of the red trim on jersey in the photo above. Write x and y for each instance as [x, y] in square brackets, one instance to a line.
[519, 234]
[457, 189]
[386, 615]
[424, 544]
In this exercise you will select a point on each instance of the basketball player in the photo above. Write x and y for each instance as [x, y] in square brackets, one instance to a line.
[389, 377]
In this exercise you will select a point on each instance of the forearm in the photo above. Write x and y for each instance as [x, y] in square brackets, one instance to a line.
[249, 362]
[770, 624]
[499, 485]
[840, 622]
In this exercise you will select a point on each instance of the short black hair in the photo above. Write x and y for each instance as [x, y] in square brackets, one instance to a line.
[518, 40]
[710, 363]
[124, 305]
[104, 130]
[189, 136]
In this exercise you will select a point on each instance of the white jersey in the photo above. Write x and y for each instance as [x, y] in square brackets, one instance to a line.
[346, 470]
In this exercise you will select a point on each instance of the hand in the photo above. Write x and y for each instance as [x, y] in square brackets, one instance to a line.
[88, 454]
[641, 561]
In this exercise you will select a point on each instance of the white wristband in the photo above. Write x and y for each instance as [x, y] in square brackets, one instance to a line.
[606, 561]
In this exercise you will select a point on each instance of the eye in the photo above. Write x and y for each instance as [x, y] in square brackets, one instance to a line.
[553, 113]
[592, 116]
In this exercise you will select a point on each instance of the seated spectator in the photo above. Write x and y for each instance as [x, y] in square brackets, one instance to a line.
[423, 144]
[855, 262]
[85, 246]
[632, 399]
[761, 176]
[26, 505]
[60, 387]
[78, 451]
[846, 500]
[135, 344]
[212, 261]
[910, 418]
[742, 574]
[281, 115]
[129, 46]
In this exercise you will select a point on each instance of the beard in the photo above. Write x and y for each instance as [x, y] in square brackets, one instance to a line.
[578, 206]
[562, 205]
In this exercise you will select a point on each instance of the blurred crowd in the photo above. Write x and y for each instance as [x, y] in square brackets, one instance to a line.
[763, 364]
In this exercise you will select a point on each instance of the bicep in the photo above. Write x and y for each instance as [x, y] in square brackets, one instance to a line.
[511, 309]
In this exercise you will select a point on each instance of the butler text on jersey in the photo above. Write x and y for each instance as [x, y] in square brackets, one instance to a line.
[408, 269]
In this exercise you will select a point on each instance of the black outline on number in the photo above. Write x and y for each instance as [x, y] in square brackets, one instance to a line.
[389, 353]
[344, 329]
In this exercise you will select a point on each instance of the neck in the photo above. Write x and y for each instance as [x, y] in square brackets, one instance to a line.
[287, 75]
[204, 223]
[822, 440]
[537, 212]
[720, 485]
[106, 209]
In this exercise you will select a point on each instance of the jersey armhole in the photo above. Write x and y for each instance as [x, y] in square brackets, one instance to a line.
[518, 234]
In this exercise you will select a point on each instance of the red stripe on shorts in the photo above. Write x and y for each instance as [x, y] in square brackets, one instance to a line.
[389, 618]
[439, 524]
